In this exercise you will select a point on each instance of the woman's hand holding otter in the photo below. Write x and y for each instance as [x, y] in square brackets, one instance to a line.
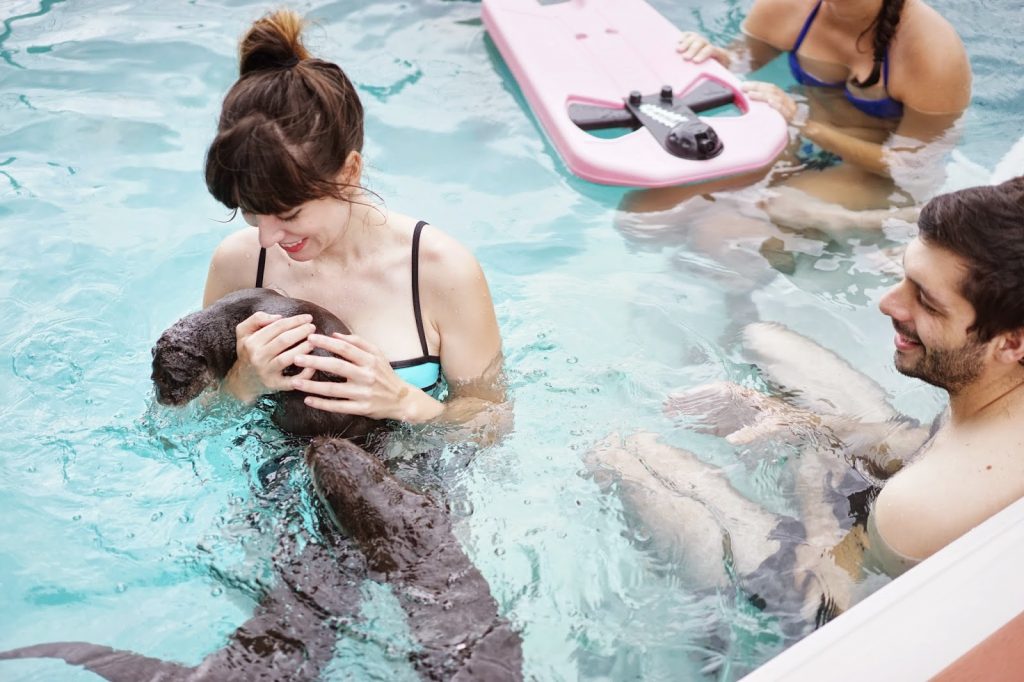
[371, 387]
[267, 345]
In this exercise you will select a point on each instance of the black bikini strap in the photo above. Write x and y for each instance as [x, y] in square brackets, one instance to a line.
[416, 285]
[259, 268]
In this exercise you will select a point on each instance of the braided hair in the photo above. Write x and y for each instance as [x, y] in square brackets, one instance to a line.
[885, 23]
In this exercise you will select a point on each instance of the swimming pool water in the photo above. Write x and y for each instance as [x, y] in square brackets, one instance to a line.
[150, 530]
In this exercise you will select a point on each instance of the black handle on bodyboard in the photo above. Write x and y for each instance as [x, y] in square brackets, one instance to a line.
[707, 95]
[676, 127]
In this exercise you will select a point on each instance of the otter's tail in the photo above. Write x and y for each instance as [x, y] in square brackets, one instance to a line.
[115, 665]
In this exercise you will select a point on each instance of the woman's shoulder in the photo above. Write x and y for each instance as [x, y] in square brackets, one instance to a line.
[240, 242]
[930, 71]
[442, 256]
[233, 264]
[923, 34]
[777, 22]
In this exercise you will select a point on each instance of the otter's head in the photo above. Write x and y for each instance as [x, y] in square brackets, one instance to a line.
[180, 373]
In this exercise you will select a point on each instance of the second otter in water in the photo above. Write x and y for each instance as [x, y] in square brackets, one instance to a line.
[199, 349]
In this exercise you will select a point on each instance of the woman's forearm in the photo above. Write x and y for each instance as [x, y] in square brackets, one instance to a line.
[861, 153]
[484, 421]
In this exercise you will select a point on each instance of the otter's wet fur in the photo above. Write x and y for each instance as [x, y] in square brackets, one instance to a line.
[197, 351]
[407, 540]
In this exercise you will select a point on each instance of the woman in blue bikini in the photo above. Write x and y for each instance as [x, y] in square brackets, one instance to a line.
[288, 155]
[885, 78]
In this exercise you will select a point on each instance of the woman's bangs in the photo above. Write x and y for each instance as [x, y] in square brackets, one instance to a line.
[257, 173]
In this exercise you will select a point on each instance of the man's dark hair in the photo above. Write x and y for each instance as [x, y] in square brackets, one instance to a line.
[985, 227]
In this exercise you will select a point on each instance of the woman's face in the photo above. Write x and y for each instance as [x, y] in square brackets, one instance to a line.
[305, 231]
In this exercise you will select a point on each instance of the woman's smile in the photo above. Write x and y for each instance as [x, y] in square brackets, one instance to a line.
[293, 247]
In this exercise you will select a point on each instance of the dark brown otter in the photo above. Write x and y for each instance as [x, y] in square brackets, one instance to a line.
[291, 636]
[399, 536]
[407, 540]
[199, 349]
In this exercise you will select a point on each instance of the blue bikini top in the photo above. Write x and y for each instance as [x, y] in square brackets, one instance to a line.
[878, 108]
[423, 372]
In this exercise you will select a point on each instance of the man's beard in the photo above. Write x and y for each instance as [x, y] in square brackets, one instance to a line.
[949, 369]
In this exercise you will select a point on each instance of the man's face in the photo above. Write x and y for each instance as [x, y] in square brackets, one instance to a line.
[931, 319]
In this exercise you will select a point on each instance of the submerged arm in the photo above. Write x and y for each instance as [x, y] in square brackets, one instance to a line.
[471, 357]
[918, 140]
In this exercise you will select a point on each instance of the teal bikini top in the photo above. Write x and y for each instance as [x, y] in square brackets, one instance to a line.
[423, 372]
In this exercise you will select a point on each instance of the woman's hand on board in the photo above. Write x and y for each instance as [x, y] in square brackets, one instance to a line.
[371, 387]
[696, 48]
[267, 345]
[776, 98]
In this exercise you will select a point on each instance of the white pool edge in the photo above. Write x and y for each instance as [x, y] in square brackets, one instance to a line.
[915, 626]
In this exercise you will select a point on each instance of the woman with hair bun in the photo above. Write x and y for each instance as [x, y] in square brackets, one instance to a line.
[288, 155]
[885, 80]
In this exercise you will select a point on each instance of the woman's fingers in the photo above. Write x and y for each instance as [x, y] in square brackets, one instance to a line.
[691, 45]
[773, 96]
[253, 323]
[267, 334]
[343, 347]
[703, 54]
[337, 406]
[287, 358]
[287, 340]
[339, 367]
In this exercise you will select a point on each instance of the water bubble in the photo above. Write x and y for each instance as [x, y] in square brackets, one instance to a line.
[120, 588]
[76, 517]
[572, 359]
[499, 551]
[156, 516]
[462, 507]
[217, 591]
[46, 357]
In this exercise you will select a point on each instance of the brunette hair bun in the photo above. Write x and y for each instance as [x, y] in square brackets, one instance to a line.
[273, 42]
[287, 126]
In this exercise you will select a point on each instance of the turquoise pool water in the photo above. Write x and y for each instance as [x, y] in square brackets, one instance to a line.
[150, 530]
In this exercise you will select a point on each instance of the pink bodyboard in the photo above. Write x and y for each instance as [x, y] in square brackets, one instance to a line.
[598, 51]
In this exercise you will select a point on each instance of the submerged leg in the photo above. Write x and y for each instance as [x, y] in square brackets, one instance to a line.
[689, 508]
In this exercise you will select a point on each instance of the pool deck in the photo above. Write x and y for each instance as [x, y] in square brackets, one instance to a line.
[957, 616]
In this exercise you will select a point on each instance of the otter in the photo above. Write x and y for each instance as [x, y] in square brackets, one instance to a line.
[395, 535]
[407, 540]
[198, 350]
[291, 635]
